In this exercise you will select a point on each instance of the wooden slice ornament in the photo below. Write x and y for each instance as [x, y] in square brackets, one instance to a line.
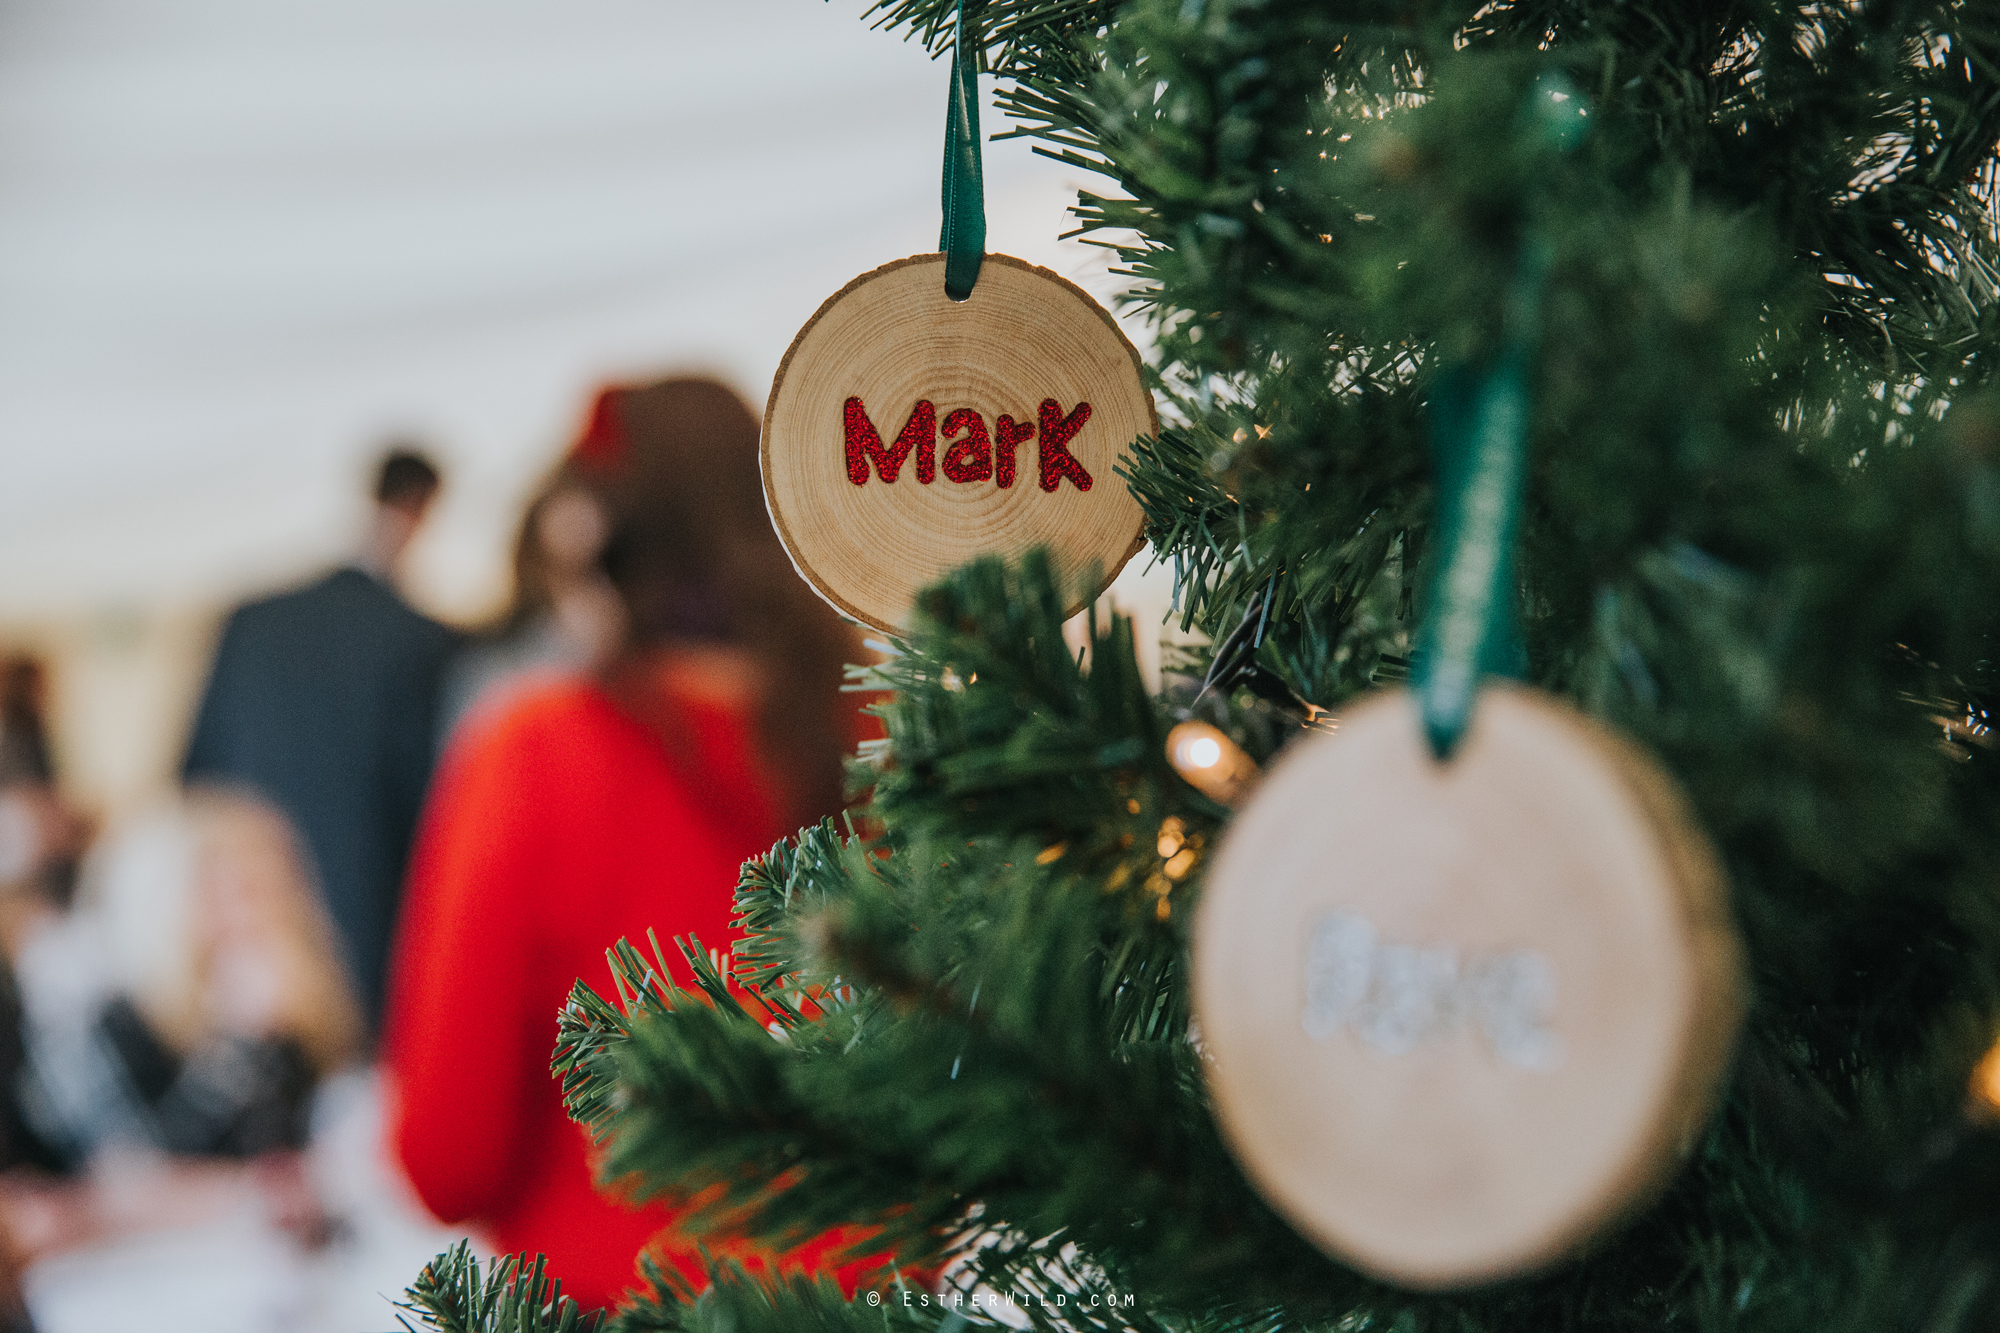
[908, 434]
[1461, 1016]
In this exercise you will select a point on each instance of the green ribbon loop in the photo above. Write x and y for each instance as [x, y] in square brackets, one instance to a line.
[963, 238]
[1479, 436]
[1479, 440]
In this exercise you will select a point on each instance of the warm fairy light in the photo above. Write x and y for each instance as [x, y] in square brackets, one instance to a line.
[1212, 764]
[1986, 1082]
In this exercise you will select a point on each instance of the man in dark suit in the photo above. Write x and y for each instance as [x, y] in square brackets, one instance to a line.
[324, 700]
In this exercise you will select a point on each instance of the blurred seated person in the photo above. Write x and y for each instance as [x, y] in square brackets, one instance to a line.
[41, 840]
[173, 1027]
[588, 809]
[564, 617]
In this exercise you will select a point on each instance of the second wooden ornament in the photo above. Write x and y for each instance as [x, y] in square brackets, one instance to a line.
[908, 433]
[1504, 992]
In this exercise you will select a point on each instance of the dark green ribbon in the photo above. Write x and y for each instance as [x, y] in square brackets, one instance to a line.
[963, 239]
[1479, 441]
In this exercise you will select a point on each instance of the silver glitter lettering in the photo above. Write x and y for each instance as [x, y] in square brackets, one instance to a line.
[1397, 997]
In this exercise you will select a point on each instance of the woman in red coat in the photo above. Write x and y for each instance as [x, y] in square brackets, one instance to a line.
[585, 810]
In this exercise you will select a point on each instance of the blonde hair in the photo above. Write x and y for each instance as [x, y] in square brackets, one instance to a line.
[156, 891]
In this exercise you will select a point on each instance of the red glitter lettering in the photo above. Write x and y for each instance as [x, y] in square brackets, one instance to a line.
[1007, 434]
[864, 443]
[969, 459]
[1057, 431]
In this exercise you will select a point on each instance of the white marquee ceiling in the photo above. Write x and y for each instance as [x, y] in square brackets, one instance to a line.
[241, 241]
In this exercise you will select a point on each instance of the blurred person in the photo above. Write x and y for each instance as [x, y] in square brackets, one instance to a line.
[563, 616]
[174, 1025]
[581, 811]
[41, 842]
[40, 839]
[324, 700]
[24, 732]
[41, 835]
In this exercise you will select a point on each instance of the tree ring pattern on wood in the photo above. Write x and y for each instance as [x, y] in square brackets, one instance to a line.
[1503, 994]
[908, 434]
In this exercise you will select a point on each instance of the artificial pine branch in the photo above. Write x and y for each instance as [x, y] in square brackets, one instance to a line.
[737, 1301]
[1018, 35]
[514, 1295]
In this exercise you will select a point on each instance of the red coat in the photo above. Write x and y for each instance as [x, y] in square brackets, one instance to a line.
[555, 826]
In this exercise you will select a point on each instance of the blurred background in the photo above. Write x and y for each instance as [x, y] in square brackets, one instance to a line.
[242, 247]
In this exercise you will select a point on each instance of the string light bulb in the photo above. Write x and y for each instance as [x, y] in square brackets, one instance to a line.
[1986, 1085]
[1210, 762]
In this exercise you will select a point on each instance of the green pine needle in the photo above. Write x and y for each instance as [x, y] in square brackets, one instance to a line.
[513, 1295]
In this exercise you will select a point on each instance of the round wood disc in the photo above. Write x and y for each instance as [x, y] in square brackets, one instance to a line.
[908, 433]
[1462, 1016]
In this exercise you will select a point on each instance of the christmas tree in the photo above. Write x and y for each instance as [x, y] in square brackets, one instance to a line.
[1759, 536]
